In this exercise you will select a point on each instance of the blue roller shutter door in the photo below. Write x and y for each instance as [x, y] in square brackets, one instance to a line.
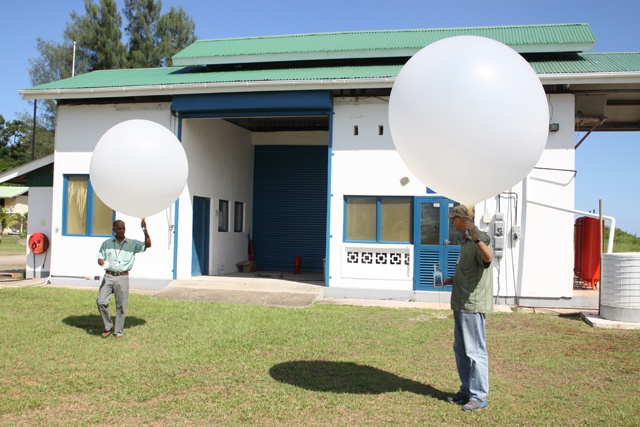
[290, 207]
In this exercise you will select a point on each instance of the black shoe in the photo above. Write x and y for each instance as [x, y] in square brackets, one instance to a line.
[458, 399]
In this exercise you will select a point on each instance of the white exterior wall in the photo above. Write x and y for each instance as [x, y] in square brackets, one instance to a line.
[367, 164]
[39, 222]
[220, 167]
[539, 264]
[75, 257]
[548, 257]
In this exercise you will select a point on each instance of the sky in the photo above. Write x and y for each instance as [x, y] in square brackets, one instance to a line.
[607, 163]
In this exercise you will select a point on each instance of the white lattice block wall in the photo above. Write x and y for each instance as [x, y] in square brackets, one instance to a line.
[371, 261]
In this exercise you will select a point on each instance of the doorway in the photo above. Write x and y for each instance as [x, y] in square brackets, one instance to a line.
[200, 236]
[436, 243]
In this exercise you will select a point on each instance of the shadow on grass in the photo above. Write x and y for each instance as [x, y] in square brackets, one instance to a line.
[347, 377]
[92, 323]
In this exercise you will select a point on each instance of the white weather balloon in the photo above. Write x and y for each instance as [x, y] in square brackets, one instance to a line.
[469, 117]
[138, 168]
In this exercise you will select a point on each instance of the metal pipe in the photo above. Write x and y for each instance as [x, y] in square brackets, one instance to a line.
[590, 215]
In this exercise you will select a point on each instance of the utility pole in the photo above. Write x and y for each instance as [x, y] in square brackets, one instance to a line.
[33, 133]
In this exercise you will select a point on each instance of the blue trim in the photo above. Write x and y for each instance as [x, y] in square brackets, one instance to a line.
[231, 104]
[175, 239]
[378, 200]
[425, 256]
[176, 216]
[327, 255]
[88, 231]
[65, 191]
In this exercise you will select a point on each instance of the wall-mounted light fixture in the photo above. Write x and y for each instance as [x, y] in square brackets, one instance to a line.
[554, 127]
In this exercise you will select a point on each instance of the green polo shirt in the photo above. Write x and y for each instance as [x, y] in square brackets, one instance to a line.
[473, 280]
[120, 256]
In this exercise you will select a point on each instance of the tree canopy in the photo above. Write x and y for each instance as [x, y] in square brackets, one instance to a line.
[104, 41]
[16, 141]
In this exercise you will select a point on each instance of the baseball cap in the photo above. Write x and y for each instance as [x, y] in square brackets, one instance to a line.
[460, 210]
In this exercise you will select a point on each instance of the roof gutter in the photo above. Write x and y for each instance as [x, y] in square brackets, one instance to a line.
[201, 88]
[591, 78]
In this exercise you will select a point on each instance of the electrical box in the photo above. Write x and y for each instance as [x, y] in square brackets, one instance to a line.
[515, 232]
[498, 224]
[498, 235]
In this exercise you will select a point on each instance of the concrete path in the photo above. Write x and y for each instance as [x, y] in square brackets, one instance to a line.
[279, 289]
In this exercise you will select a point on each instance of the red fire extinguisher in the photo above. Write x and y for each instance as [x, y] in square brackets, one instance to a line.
[297, 264]
[251, 248]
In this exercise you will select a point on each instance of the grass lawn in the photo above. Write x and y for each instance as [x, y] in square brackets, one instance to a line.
[11, 245]
[193, 363]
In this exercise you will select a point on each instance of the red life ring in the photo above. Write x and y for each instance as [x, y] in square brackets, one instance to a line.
[38, 243]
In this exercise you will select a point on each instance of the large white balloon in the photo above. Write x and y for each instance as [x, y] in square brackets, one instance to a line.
[138, 168]
[469, 117]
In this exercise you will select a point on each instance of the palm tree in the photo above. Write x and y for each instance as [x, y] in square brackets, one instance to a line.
[7, 219]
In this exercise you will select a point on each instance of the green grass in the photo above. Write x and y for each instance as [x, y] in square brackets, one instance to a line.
[623, 241]
[11, 245]
[199, 363]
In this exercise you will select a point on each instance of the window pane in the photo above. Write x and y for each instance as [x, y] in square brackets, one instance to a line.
[223, 215]
[361, 219]
[102, 217]
[238, 217]
[455, 237]
[77, 205]
[396, 220]
[429, 224]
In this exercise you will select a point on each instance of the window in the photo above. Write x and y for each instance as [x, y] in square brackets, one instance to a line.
[238, 217]
[378, 219]
[223, 215]
[84, 213]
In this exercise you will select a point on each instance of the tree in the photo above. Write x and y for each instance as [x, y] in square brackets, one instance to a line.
[98, 36]
[12, 138]
[53, 64]
[142, 16]
[44, 138]
[175, 30]
[153, 39]
[7, 219]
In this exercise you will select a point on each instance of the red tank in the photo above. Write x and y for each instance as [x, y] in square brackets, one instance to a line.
[586, 267]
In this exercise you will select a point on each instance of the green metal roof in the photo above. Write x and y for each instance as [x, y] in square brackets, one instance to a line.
[588, 63]
[162, 77]
[378, 44]
[176, 76]
[11, 192]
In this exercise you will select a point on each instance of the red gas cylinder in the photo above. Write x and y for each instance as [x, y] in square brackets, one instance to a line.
[297, 264]
[587, 251]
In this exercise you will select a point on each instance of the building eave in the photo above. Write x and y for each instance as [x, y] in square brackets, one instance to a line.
[204, 88]
[283, 85]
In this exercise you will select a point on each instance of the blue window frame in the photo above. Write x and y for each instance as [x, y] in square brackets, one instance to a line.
[83, 213]
[370, 219]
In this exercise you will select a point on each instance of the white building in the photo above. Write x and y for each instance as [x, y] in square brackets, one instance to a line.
[287, 140]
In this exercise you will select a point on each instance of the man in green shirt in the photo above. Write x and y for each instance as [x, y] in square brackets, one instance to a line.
[471, 298]
[116, 256]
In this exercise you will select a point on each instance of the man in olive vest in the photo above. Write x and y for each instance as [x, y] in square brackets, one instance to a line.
[471, 298]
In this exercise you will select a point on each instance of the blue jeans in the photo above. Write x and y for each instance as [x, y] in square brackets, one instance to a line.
[472, 360]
